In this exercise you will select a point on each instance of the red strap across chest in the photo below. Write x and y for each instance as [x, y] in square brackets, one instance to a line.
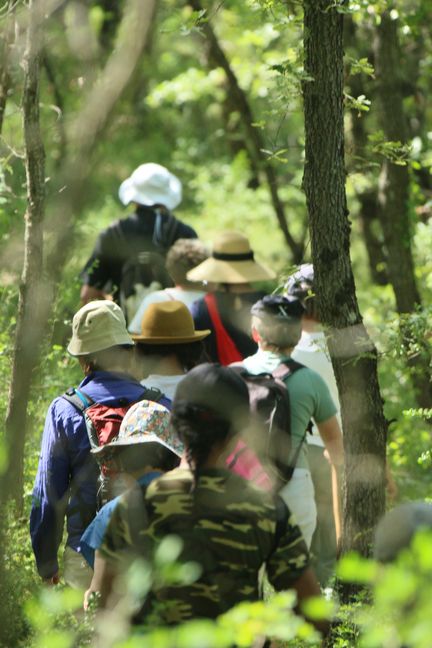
[226, 348]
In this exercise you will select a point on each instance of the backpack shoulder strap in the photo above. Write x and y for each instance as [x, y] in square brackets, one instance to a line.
[226, 348]
[286, 368]
[165, 230]
[152, 394]
[78, 398]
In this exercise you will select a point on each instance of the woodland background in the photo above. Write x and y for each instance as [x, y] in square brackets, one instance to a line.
[305, 125]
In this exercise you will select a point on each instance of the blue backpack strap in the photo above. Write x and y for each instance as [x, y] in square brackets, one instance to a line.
[78, 398]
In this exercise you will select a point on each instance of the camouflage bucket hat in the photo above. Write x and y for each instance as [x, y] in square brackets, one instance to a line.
[145, 422]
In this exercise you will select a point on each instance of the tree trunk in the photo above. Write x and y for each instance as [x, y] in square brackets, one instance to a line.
[354, 356]
[37, 294]
[368, 201]
[7, 39]
[393, 200]
[27, 341]
[254, 139]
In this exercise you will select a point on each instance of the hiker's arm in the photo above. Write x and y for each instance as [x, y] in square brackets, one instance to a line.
[331, 434]
[102, 581]
[307, 587]
[49, 495]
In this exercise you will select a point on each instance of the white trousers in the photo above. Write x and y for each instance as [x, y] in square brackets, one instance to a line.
[299, 496]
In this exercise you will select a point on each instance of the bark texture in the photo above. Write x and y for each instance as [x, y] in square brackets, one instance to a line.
[254, 140]
[27, 340]
[38, 291]
[354, 356]
[5, 48]
[393, 199]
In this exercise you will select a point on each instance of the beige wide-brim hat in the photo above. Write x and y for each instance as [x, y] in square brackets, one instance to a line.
[232, 262]
[151, 184]
[168, 323]
[97, 326]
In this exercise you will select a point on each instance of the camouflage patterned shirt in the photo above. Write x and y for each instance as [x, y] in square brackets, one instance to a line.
[226, 525]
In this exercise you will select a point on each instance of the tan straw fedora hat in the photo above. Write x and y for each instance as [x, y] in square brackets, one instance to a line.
[232, 261]
[168, 322]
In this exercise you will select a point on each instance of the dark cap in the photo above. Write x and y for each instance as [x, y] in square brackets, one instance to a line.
[279, 308]
[214, 387]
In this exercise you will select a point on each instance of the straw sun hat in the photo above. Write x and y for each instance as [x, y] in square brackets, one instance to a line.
[151, 184]
[168, 323]
[232, 262]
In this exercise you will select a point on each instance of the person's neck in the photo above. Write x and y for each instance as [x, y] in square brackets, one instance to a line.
[238, 288]
[310, 325]
[166, 366]
[276, 350]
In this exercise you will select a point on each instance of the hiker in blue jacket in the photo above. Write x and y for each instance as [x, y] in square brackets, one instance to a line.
[66, 481]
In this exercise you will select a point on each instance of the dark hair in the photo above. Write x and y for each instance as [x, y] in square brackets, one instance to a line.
[184, 255]
[189, 355]
[199, 428]
[138, 455]
[211, 405]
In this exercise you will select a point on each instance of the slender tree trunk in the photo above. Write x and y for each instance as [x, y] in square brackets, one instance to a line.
[354, 356]
[254, 138]
[368, 201]
[27, 344]
[393, 200]
[38, 293]
[6, 43]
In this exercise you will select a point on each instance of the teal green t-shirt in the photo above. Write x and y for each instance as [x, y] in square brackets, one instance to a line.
[309, 397]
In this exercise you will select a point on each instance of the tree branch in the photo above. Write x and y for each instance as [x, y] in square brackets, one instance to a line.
[255, 141]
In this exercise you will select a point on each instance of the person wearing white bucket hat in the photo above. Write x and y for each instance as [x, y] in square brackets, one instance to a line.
[128, 259]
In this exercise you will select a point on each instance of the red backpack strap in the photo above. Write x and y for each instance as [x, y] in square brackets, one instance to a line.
[226, 348]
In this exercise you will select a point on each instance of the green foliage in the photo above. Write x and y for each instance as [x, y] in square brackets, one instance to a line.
[400, 613]
[360, 66]
[396, 152]
[360, 103]
[177, 112]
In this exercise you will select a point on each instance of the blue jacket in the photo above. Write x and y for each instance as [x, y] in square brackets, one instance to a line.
[94, 534]
[66, 481]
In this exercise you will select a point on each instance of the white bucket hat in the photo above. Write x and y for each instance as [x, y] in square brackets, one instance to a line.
[97, 326]
[151, 184]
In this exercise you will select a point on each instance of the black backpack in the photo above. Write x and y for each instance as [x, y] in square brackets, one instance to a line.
[145, 270]
[270, 402]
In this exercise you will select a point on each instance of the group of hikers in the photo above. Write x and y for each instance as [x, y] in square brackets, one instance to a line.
[208, 410]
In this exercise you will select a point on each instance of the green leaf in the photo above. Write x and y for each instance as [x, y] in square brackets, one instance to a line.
[356, 569]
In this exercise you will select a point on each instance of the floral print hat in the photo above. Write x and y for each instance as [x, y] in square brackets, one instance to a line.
[145, 422]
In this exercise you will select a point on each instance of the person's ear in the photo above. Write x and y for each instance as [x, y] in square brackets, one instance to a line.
[255, 335]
